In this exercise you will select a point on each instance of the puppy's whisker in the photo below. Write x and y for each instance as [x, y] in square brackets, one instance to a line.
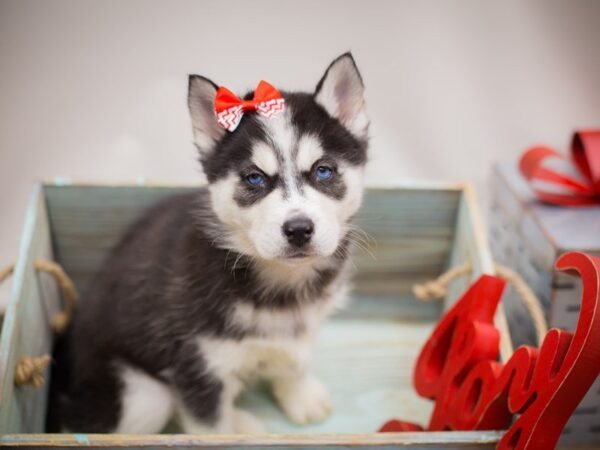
[362, 247]
[360, 243]
[343, 253]
[364, 238]
[357, 229]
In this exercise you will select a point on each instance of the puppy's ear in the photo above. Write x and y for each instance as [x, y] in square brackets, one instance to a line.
[201, 102]
[341, 93]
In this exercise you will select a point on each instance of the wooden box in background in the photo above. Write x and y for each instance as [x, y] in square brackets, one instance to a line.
[528, 236]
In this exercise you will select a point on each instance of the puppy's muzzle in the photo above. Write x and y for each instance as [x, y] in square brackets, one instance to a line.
[298, 231]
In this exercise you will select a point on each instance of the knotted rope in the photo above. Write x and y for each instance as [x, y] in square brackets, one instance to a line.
[30, 369]
[438, 288]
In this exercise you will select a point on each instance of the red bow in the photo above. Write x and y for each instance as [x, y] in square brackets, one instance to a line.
[566, 181]
[229, 108]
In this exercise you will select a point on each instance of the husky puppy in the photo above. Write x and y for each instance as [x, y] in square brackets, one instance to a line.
[210, 290]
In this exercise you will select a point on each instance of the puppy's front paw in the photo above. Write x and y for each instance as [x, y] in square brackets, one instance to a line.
[303, 400]
[246, 423]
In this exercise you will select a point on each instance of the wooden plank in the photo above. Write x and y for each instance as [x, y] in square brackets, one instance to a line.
[26, 330]
[87, 221]
[411, 234]
[470, 241]
[366, 365]
[397, 307]
[563, 228]
[483, 440]
[471, 246]
[411, 230]
[415, 441]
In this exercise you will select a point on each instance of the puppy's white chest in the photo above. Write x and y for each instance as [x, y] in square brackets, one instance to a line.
[277, 342]
[268, 323]
[252, 358]
[286, 323]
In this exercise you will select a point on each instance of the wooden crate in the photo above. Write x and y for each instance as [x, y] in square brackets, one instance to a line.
[528, 236]
[364, 355]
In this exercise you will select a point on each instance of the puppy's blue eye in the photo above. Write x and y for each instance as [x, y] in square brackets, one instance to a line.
[255, 179]
[323, 173]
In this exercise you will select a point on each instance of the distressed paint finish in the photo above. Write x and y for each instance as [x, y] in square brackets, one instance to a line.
[470, 245]
[413, 228]
[418, 229]
[528, 236]
[87, 221]
[26, 330]
[480, 440]
[414, 441]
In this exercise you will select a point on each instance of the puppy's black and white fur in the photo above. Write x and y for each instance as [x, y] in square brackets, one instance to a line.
[210, 290]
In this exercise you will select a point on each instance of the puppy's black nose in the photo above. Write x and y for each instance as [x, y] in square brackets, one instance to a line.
[298, 230]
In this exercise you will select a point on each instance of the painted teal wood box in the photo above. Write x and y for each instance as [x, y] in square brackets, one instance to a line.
[364, 355]
[528, 236]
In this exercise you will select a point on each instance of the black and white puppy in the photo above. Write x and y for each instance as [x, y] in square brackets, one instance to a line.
[210, 290]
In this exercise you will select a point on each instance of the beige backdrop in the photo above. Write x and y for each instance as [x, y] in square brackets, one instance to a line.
[95, 90]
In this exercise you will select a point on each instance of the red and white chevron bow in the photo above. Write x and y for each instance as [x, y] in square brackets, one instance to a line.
[229, 108]
[566, 181]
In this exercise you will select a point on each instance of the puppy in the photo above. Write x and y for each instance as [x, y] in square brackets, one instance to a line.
[211, 290]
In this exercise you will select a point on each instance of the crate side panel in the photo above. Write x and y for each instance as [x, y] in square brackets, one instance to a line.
[456, 440]
[39, 300]
[409, 237]
[27, 331]
[469, 246]
[410, 231]
[88, 221]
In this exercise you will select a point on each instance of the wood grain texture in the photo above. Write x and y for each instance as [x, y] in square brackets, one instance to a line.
[471, 245]
[411, 230]
[364, 355]
[456, 440]
[26, 330]
[564, 228]
[367, 367]
[529, 236]
[87, 221]
[414, 441]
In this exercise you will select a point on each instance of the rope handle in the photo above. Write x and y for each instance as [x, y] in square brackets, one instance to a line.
[438, 288]
[61, 319]
[30, 369]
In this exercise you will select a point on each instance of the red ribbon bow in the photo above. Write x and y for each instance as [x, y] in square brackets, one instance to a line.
[229, 108]
[565, 181]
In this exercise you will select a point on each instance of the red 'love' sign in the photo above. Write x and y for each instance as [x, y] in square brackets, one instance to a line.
[458, 367]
